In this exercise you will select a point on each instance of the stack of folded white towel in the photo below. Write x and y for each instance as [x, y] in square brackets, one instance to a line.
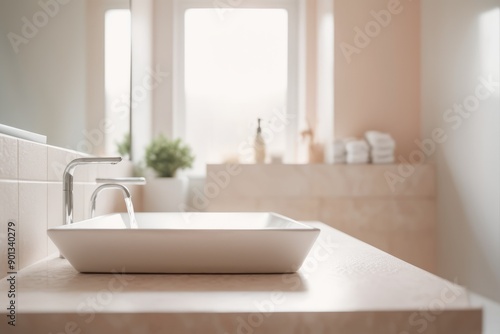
[382, 147]
[357, 151]
[338, 152]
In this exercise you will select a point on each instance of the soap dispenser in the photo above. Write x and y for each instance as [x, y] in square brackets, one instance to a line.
[259, 145]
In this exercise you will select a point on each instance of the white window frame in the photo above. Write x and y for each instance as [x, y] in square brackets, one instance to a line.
[225, 6]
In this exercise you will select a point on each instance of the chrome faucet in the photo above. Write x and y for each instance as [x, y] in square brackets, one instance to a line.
[114, 183]
[68, 183]
[93, 199]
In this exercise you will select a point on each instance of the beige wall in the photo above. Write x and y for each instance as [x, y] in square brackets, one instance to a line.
[380, 87]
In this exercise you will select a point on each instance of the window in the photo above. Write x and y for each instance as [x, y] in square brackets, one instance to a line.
[117, 75]
[234, 66]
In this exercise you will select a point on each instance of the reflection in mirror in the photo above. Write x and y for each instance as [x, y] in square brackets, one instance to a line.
[66, 71]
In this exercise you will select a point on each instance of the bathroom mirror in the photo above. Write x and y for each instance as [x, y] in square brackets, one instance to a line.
[65, 71]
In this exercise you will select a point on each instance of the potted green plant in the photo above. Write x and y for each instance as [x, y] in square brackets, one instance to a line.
[167, 191]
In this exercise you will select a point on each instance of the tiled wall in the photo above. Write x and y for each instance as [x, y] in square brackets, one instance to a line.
[31, 195]
[356, 199]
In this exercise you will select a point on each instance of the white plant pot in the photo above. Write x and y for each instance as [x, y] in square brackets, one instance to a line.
[165, 194]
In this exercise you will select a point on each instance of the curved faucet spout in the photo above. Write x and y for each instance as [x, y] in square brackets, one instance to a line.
[68, 182]
[93, 199]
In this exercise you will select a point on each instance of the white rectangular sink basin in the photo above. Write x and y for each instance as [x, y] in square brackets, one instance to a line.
[181, 242]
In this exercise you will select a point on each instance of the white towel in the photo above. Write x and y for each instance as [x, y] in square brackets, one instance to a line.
[357, 146]
[338, 147]
[382, 152]
[389, 144]
[353, 161]
[377, 160]
[339, 159]
[335, 153]
[357, 155]
[358, 158]
[382, 156]
[374, 137]
[380, 140]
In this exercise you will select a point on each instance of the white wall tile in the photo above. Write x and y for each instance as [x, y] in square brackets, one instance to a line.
[8, 158]
[54, 211]
[9, 211]
[32, 223]
[79, 202]
[32, 161]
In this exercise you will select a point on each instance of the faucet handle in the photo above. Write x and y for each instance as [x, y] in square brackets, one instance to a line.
[70, 168]
[93, 160]
[122, 180]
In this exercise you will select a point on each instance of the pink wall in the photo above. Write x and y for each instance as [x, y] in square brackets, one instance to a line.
[378, 86]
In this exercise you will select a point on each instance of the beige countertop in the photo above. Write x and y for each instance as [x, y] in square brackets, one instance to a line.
[345, 286]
